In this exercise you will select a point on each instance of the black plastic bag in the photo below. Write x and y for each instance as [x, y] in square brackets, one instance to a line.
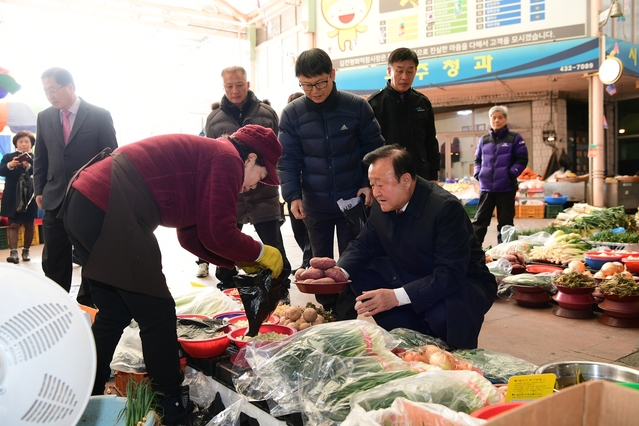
[564, 160]
[356, 215]
[25, 192]
[260, 295]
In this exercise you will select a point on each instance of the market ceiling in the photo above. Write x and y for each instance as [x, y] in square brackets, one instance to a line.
[195, 19]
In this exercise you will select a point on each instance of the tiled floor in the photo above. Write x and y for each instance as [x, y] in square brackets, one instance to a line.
[535, 335]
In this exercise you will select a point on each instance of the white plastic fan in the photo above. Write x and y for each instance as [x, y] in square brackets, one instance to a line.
[47, 352]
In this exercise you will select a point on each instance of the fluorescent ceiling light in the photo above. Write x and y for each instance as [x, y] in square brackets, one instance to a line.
[464, 112]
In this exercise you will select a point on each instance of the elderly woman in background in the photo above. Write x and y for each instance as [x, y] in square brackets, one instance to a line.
[13, 166]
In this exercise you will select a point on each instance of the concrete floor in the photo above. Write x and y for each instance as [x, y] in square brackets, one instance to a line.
[536, 335]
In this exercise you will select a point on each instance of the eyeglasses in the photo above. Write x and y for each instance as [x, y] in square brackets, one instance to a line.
[307, 87]
[53, 91]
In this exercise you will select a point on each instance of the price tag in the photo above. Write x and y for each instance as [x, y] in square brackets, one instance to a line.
[531, 387]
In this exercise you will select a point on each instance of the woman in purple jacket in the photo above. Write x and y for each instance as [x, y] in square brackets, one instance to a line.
[500, 158]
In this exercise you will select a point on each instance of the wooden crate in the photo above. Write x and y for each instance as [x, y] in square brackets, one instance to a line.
[121, 379]
[530, 212]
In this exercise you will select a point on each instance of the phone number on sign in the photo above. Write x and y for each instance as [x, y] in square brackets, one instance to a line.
[578, 67]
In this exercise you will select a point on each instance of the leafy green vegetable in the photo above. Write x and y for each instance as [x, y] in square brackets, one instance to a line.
[140, 399]
[619, 284]
[574, 279]
[604, 219]
[621, 237]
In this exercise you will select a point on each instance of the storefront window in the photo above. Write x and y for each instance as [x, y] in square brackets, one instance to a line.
[628, 137]
[459, 131]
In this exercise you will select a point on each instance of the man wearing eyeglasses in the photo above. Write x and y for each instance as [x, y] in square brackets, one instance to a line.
[70, 133]
[324, 135]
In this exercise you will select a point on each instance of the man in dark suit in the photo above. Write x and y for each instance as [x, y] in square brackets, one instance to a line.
[69, 134]
[417, 264]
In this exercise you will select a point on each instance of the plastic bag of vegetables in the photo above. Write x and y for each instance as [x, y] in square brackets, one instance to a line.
[497, 367]
[203, 301]
[517, 246]
[409, 339]
[463, 390]
[404, 412]
[315, 371]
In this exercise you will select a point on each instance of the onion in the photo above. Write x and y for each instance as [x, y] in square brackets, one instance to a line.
[577, 265]
[443, 360]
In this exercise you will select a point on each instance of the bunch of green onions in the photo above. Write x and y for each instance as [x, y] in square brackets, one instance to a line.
[140, 400]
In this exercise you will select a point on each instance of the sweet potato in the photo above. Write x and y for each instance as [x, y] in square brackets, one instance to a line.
[298, 273]
[325, 280]
[322, 262]
[336, 273]
[311, 273]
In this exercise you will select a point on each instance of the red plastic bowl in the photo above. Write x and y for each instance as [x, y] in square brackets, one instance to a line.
[631, 265]
[228, 292]
[600, 255]
[538, 269]
[321, 288]
[270, 320]
[206, 348]
[238, 332]
[495, 409]
[228, 315]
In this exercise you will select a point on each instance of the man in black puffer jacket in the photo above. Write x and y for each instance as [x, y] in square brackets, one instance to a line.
[260, 206]
[324, 135]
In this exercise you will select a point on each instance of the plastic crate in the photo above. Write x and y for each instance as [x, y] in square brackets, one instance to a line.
[530, 212]
[36, 236]
[121, 379]
[471, 210]
[553, 210]
[4, 238]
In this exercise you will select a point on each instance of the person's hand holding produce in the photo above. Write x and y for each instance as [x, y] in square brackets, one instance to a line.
[271, 259]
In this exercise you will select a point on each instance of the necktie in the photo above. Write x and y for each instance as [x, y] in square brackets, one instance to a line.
[399, 211]
[66, 125]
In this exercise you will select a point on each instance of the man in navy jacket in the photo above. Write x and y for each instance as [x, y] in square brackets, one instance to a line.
[324, 135]
[417, 263]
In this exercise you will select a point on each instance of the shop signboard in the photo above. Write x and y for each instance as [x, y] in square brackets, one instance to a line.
[363, 32]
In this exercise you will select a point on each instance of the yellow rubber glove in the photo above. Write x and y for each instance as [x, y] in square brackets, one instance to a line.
[249, 267]
[271, 259]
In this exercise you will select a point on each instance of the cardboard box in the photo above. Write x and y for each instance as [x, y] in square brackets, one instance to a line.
[594, 403]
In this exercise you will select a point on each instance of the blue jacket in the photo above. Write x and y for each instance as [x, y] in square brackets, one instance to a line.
[499, 159]
[323, 146]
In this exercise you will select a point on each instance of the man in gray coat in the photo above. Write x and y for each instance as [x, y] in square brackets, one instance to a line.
[261, 206]
[69, 134]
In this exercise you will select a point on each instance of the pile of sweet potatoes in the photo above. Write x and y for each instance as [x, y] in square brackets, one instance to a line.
[322, 270]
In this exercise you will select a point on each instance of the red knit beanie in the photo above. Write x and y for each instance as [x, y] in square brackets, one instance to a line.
[267, 145]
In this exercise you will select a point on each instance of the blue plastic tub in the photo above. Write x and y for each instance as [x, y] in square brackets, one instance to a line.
[555, 201]
[103, 410]
[472, 202]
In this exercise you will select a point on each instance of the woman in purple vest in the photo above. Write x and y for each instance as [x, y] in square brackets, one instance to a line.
[500, 158]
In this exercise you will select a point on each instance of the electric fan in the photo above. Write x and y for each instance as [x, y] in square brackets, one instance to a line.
[47, 352]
